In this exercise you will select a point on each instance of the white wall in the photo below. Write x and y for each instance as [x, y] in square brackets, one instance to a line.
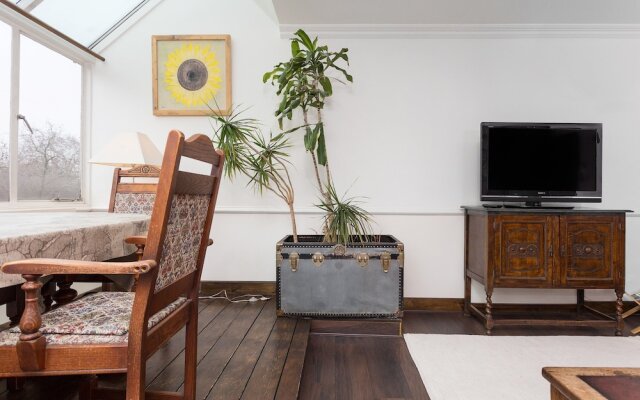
[405, 134]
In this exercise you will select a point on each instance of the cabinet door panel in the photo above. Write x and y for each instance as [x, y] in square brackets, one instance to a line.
[524, 256]
[588, 251]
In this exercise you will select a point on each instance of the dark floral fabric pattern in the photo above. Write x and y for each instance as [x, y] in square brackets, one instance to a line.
[134, 203]
[182, 242]
[104, 313]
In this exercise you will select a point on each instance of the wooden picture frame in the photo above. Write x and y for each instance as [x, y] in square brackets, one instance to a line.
[191, 74]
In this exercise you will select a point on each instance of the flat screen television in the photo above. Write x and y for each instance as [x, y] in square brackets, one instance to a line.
[541, 162]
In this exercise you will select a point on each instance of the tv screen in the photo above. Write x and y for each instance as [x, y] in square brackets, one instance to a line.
[535, 162]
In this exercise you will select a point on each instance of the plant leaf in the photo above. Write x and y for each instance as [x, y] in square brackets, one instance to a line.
[305, 39]
[295, 47]
[321, 150]
[326, 85]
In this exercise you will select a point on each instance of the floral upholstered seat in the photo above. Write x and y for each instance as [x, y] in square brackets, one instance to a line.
[96, 318]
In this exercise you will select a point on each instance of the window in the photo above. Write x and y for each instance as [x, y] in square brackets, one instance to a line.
[49, 126]
[40, 123]
[5, 78]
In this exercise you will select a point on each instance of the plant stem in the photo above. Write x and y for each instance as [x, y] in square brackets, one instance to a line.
[315, 161]
[292, 214]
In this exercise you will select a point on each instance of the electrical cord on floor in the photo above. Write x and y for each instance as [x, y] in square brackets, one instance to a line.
[252, 298]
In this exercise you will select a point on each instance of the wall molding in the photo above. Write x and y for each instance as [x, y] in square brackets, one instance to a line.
[463, 31]
[268, 288]
[254, 210]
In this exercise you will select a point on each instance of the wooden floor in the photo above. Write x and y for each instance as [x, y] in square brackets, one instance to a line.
[359, 367]
[244, 352]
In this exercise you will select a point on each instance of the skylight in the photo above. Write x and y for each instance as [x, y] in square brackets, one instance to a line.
[86, 21]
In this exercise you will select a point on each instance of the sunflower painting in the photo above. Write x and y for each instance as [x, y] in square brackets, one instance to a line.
[191, 75]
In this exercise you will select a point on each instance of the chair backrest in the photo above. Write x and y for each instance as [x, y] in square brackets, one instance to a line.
[181, 221]
[134, 197]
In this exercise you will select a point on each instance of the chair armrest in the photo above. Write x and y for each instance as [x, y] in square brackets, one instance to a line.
[137, 240]
[51, 266]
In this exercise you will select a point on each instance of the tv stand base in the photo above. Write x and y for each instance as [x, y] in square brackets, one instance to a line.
[566, 315]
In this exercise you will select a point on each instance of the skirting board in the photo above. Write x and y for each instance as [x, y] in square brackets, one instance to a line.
[268, 288]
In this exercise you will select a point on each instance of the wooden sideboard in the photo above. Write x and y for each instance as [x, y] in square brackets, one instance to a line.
[550, 248]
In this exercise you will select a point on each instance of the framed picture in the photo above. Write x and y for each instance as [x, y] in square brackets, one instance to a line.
[191, 74]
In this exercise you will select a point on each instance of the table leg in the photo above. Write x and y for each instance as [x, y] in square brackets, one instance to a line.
[65, 293]
[15, 308]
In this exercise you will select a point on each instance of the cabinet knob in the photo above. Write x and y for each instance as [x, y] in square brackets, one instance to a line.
[588, 249]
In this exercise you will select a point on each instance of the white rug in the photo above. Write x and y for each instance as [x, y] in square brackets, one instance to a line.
[472, 367]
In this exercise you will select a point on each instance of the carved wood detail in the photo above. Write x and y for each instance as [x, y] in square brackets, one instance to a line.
[589, 250]
[522, 250]
[140, 171]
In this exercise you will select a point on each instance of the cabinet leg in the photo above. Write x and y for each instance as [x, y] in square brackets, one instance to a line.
[467, 295]
[619, 320]
[489, 313]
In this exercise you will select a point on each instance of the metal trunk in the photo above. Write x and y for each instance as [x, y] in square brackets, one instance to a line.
[318, 279]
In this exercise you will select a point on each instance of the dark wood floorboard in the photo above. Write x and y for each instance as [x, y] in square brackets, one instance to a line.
[235, 376]
[171, 377]
[292, 372]
[238, 343]
[266, 374]
[359, 367]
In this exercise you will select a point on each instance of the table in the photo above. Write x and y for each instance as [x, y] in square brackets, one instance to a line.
[82, 235]
[593, 383]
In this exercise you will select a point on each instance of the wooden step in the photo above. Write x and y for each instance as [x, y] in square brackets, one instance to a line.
[364, 327]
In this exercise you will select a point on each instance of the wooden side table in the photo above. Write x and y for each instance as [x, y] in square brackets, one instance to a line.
[593, 383]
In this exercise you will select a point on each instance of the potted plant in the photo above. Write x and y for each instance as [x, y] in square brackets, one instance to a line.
[347, 271]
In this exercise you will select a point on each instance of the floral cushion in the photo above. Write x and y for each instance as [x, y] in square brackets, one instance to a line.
[134, 203]
[104, 313]
[8, 338]
[182, 242]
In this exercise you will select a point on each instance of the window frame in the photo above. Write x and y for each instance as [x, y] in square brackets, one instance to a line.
[24, 26]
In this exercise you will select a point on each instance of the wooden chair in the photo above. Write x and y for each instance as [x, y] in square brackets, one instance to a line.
[133, 197]
[129, 326]
[127, 197]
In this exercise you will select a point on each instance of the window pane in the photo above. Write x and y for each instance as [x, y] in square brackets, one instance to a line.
[83, 20]
[5, 85]
[49, 134]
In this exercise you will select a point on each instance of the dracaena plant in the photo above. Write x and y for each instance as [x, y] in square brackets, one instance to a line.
[249, 153]
[304, 82]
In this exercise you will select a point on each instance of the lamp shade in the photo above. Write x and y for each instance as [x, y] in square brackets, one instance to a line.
[129, 149]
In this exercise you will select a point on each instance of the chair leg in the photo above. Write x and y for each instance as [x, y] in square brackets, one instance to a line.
[191, 354]
[135, 381]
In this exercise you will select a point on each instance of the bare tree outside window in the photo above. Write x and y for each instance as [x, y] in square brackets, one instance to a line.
[49, 125]
[49, 164]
